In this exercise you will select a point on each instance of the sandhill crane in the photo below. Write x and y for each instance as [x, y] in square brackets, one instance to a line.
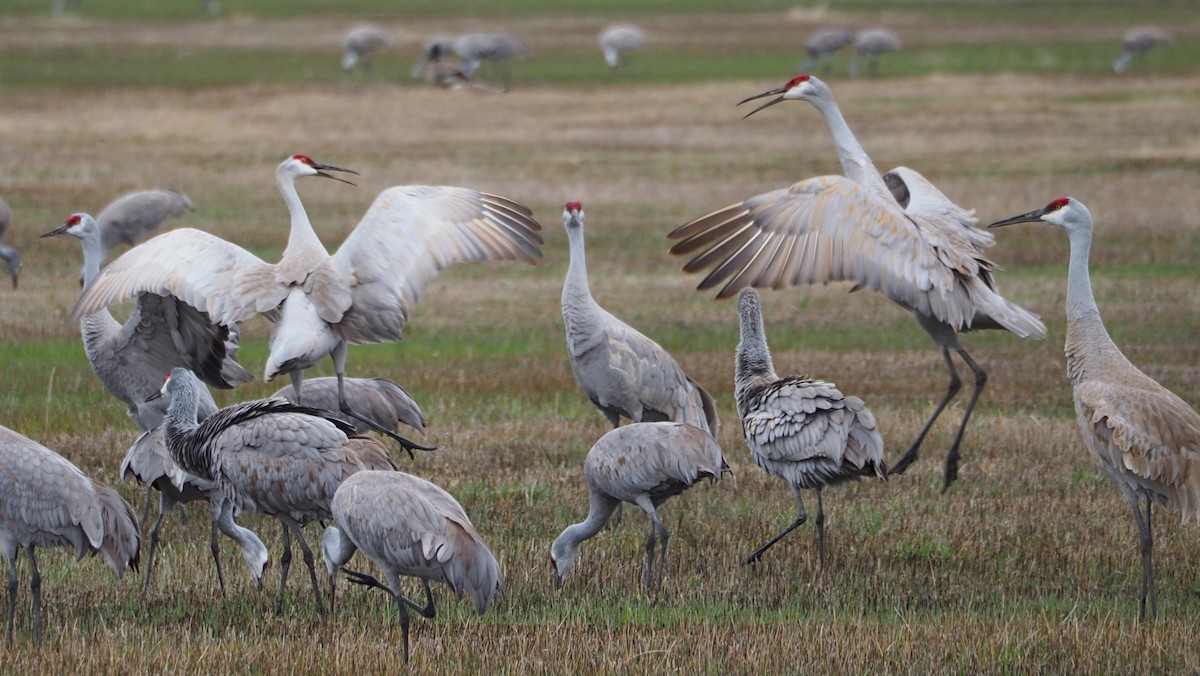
[821, 45]
[408, 527]
[149, 462]
[869, 43]
[322, 303]
[1140, 40]
[1141, 434]
[643, 464]
[617, 41]
[909, 242]
[360, 43]
[623, 372]
[473, 49]
[381, 400]
[801, 430]
[10, 255]
[268, 456]
[129, 219]
[162, 332]
[45, 501]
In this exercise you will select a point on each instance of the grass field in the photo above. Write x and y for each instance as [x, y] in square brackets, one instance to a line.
[1029, 563]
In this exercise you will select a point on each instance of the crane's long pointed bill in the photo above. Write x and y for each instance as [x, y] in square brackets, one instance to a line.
[768, 104]
[57, 231]
[1030, 217]
[322, 168]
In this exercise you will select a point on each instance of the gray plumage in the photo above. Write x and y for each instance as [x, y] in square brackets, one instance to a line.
[1143, 436]
[623, 372]
[896, 234]
[129, 219]
[821, 45]
[1140, 40]
[382, 401]
[801, 430]
[162, 332]
[269, 457]
[473, 49]
[10, 255]
[149, 462]
[408, 527]
[45, 501]
[643, 464]
[360, 43]
[616, 42]
[869, 43]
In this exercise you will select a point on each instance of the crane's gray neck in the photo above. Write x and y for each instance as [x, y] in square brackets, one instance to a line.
[1087, 341]
[752, 363]
[98, 326]
[576, 287]
[856, 164]
[600, 509]
[178, 426]
[302, 238]
[93, 254]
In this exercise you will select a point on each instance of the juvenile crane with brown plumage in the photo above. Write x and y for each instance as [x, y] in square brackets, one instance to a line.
[1143, 436]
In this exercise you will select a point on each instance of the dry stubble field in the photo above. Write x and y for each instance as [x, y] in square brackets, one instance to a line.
[1028, 563]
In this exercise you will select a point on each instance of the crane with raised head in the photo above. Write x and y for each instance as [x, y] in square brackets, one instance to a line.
[408, 527]
[321, 303]
[46, 501]
[1143, 436]
[643, 464]
[896, 234]
[624, 373]
[802, 430]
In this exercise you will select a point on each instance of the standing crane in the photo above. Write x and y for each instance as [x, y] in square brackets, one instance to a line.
[623, 372]
[617, 41]
[1144, 437]
[822, 45]
[322, 303]
[10, 255]
[270, 457]
[869, 43]
[360, 43]
[45, 501]
[909, 242]
[408, 527]
[129, 219]
[384, 402]
[643, 464]
[130, 359]
[1140, 40]
[801, 430]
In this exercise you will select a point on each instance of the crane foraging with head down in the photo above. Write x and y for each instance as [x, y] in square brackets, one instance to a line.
[320, 303]
[408, 527]
[801, 430]
[623, 372]
[896, 234]
[1143, 436]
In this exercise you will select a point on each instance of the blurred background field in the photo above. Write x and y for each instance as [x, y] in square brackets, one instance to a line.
[1029, 563]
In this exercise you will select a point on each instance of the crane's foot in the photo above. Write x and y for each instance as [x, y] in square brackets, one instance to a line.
[364, 579]
[905, 461]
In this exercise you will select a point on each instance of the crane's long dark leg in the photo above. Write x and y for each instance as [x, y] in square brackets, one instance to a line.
[952, 389]
[215, 547]
[285, 562]
[162, 512]
[1146, 545]
[35, 586]
[820, 529]
[952, 456]
[801, 517]
[339, 365]
[12, 590]
[402, 602]
[312, 570]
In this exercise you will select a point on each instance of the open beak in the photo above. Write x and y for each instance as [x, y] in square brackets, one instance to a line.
[57, 231]
[322, 168]
[1031, 217]
[778, 91]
